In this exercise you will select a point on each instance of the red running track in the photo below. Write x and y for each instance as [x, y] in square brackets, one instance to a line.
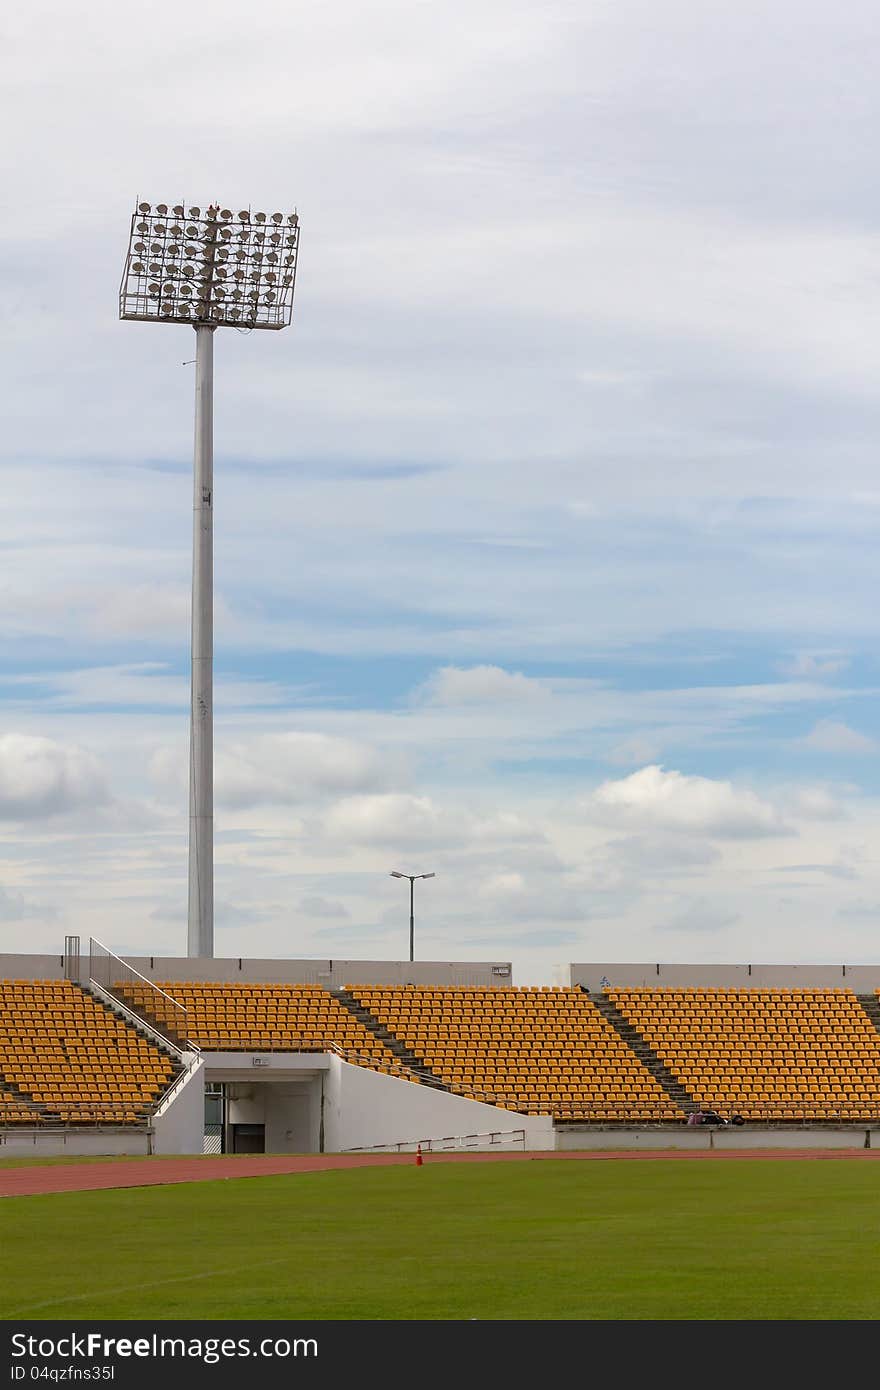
[151, 1172]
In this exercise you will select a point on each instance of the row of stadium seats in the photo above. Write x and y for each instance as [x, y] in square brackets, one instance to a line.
[70, 1059]
[770, 1054]
[277, 1018]
[547, 1051]
[759, 1051]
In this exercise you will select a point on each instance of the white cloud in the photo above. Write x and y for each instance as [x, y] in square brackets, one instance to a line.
[701, 915]
[39, 777]
[813, 665]
[401, 819]
[633, 750]
[502, 886]
[14, 907]
[664, 800]
[316, 906]
[513, 896]
[394, 819]
[833, 736]
[290, 768]
[815, 803]
[479, 685]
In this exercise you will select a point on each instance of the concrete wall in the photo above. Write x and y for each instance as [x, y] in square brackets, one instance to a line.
[704, 1138]
[281, 1090]
[260, 1066]
[863, 979]
[293, 1117]
[290, 1111]
[179, 1123]
[73, 1142]
[333, 974]
[36, 967]
[363, 1108]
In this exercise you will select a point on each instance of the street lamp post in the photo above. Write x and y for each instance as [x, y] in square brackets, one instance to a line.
[412, 878]
[209, 269]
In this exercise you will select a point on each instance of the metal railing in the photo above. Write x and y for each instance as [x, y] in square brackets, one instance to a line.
[756, 1112]
[489, 1139]
[16, 1115]
[138, 1021]
[128, 987]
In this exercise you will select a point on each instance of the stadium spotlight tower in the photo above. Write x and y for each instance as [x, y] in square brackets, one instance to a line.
[210, 269]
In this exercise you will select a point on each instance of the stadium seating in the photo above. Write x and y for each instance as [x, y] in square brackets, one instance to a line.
[265, 1018]
[535, 1051]
[640, 1055]
[64, 1057]
[771, 1054]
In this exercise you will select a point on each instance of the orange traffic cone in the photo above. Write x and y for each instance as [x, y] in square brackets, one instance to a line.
[418, 1155]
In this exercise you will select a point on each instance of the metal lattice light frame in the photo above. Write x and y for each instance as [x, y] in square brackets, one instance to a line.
[210, 266]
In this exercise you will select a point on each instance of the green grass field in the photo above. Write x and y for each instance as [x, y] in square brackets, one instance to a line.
[637, 1240]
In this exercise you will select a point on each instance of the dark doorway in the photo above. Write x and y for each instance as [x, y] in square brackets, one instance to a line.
[215, 1119]
[248, 1139]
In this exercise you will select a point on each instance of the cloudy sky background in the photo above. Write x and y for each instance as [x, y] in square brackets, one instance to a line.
[546, 538]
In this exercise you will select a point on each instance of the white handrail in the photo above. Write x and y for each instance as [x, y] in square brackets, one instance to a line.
[138, 1022]
[179, 1082]
[176, 1002]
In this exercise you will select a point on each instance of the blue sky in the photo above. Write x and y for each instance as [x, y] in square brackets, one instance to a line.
[545, 537]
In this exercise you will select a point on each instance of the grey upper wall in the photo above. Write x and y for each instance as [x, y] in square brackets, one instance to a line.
[333, 974]
[863, 979]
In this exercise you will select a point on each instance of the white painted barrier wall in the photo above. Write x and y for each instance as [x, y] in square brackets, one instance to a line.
[699, 1140]
[363, 1108]
[179, 1123]
[73, 1142]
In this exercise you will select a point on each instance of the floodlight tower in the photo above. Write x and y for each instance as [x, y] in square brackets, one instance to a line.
[209, 269]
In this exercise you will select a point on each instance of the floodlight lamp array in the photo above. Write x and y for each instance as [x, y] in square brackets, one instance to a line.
[210, 266]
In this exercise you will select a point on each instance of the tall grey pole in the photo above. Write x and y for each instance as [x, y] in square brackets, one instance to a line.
[411, 919]
[200, 930]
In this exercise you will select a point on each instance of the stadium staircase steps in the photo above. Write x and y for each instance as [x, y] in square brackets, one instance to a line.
[130, 1016]
[645, 1053]
[131, 1012]
[871, 1005]
[402, 1053]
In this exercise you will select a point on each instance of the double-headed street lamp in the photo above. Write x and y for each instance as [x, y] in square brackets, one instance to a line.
[412, 878]
[209, 268]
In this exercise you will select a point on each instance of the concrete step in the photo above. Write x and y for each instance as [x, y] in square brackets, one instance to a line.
[643, 1050]
[409, 1059]
[130, 1013]
[871, 1005]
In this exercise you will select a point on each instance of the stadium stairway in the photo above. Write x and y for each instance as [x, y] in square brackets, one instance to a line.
[132, 1018]
[132, 1010]
[69, 1058]
[409, 1059]
[871, 1005]
[643, 1050]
